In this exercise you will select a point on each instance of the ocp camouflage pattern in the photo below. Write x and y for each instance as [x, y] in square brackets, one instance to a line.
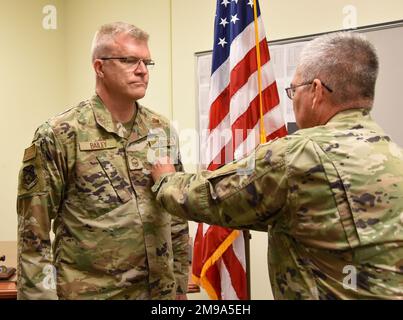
[330, 198]
[112, 239]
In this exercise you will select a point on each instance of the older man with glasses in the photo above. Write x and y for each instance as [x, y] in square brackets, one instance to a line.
[330, 195]
[88, 170]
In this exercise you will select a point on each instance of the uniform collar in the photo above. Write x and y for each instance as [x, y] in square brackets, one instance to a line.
[104, 119]
[349, 115]
[141, 124]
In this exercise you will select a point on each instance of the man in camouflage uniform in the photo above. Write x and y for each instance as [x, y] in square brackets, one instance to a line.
[87, 170]
[330, 196]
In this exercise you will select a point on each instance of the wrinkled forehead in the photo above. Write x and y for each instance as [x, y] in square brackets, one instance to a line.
[128, 45]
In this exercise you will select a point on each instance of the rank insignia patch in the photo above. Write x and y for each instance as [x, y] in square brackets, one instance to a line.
[29, 177]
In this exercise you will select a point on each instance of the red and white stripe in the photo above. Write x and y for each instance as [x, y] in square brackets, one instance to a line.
[234, 131]
[234, 100]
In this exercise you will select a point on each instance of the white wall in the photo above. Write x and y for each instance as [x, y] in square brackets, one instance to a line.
[32, 82]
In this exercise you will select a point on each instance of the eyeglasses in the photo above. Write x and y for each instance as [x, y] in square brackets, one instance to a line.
[291, 90]
[132, 62]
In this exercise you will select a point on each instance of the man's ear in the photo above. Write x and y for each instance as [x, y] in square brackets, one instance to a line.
[317, 91]
[98, 68]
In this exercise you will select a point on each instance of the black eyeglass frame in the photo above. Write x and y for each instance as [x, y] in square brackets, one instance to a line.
[291, 90]
[147, 62]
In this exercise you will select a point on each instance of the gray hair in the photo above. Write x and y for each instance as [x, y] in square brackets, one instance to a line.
[346, 62]
[106, 34]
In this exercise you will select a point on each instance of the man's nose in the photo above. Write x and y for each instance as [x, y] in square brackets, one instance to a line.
[141, 67]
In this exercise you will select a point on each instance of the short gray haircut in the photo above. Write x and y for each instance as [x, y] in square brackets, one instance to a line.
[345, 61]
[105, 36]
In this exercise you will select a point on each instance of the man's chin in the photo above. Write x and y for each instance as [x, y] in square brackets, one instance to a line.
[137, 95]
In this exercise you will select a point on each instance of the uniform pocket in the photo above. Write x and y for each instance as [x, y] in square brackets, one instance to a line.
[119, 184]
[100, 180]
[162, 148]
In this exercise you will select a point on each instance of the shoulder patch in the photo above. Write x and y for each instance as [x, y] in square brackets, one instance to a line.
[30, 153]
[29, 177]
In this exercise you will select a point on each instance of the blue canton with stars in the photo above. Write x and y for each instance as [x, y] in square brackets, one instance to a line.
[232, 17]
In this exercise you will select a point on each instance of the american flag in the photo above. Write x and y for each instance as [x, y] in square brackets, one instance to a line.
[234, 131]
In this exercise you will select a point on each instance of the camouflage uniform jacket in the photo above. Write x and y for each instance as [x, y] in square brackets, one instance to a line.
[330, 198]
[112, 238]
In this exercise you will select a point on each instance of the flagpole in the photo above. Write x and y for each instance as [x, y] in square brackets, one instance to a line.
[247, 235]
[246, 238]
[225, 77]
[259, 74]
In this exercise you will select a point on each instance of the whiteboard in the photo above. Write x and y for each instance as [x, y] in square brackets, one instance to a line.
[388, 106]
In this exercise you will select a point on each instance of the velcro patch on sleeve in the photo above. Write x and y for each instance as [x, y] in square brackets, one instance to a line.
[30, 153]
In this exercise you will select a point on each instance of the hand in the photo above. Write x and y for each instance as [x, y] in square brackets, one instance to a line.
[162, 166]
[181, 297]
